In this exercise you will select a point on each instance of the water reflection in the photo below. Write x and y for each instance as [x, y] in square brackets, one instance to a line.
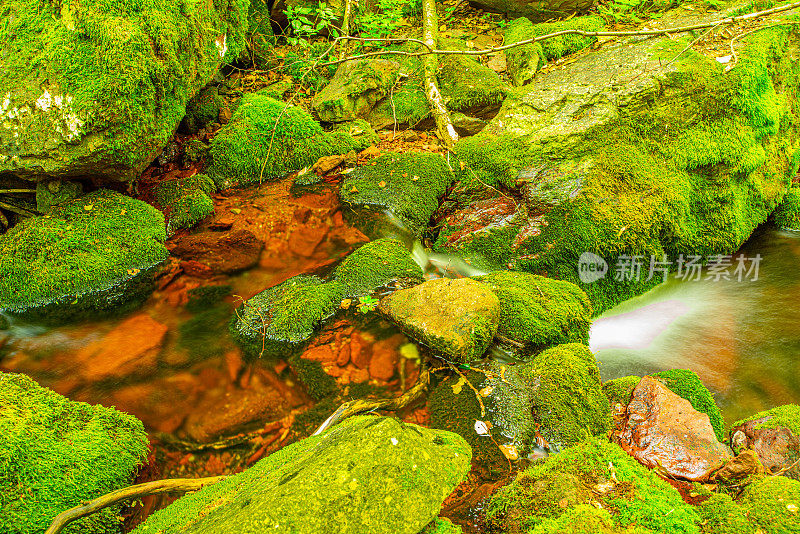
[741, 338]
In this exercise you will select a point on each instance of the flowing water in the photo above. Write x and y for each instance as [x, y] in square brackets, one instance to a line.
[741, 337]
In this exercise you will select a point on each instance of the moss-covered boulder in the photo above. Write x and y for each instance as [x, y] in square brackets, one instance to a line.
[626, 153]
[405, 186]
[540, 311]
[355, 89]
[277, 320]
[202, 110]
[456, 318]
[376, 264]
[469, 87]
[787, 215]
[58, 453]
[97, 88]
[773, 505]
[720, 514]
[54, 192]
[774, 435]
[185, 200]
[367, 474]
[619, 390]
[267, 139]
[595, 473]
[526, 60]
[87, 256]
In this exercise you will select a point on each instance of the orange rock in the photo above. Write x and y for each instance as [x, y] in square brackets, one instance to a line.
[305, 239]
[131, 347]
[344, 356]
[359, 351]
[233, 364]
[383, 363]
[320, 353]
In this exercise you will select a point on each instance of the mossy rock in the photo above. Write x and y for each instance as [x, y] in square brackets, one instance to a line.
[376, 264]
[568, 398]
[355, 89]
[456, 318]
[267, 139]
[687, 384]
[586, 519]
[469, 87]
[260, 35]
[406, 186]
[202, 110]
[787, 215]
[523, 62]
[681, 159]
[786, 416]
[279, 319]
[367, 474]
[186, 200]
[773, 505]
[594, 472]
[442, 525]
[88, 256]
[540, 311]
[58, 453]
[620, 390]
[98, 88]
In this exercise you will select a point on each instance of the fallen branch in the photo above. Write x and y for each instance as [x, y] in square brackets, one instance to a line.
[355, 407]
[174, 485]
[430, 64]
[583, 33]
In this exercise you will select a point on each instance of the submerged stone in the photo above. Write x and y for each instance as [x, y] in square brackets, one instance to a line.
[540, 311]
[367, 474]
[376, 264]
[775, 436]
[88, 256]
[57, 454]
[456, 318]
[406, 187]
[267, 139]
[660, 429]
[596, 473]
[277, 320]
[97, 89]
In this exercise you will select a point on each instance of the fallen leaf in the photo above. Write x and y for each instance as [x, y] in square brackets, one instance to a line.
[381, 184]
[482, 428]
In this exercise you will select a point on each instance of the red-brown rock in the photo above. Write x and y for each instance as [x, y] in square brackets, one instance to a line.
[662, 430]
[221, 253]
[777, 448]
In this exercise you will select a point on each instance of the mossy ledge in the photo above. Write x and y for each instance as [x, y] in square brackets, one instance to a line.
[58, 453]
[88, 256]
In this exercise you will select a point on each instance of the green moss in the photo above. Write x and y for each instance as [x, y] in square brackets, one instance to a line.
[202, 110]
[374, 265]
[442, 525]
[721, 515]
[620, 390]
[49, 194]
[57, 453]
[367, 474]
[687, 384]
[693, 169]
[319, 384]
[354, 135]
[266, 139]
[92, 254]
[569, 402]
[538, 310]
[558, 47]
[788, 213]
[633, 496]
[585, 519]
[278, 319]
[186, 200]
[773, 505]
[120, 73]
[260, 36]
[526, 60]
[786, 416]
[467, 86]
[412, 185]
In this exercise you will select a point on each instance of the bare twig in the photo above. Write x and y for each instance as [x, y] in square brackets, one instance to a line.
[632, 33]
[175, 485]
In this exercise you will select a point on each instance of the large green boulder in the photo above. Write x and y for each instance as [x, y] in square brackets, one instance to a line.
[376, 264]
[355, 89]
[550, 497]
[625, 153]
[90, 255]
[787, 215]
[539, 311]
[279, 319]
[57, 453]
[98, 87]
[267, 139]
[367, 474]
